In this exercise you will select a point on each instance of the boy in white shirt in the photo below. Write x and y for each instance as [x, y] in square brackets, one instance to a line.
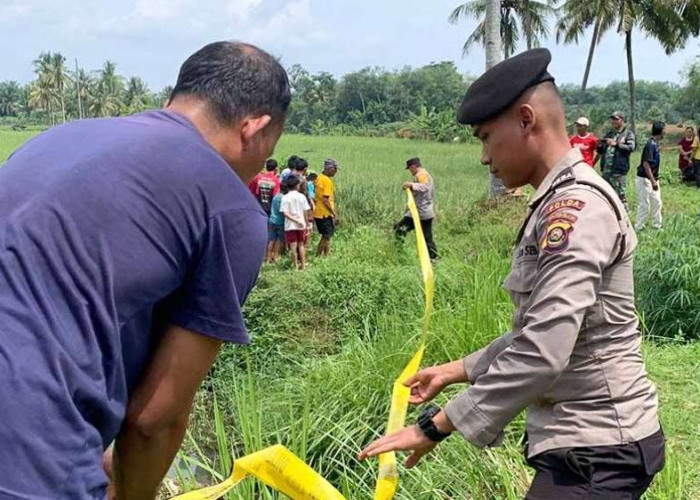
[296, 210]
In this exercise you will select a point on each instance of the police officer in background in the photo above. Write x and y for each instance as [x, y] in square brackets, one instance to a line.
[573, 356]
[423, 189]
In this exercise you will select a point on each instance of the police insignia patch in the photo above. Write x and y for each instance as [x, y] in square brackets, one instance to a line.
[570, 203]
[556, 237]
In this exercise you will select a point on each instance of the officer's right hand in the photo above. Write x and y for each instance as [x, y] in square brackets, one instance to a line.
[426, 384]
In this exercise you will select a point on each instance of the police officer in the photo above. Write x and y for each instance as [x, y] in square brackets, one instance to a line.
[423, 189]
[573, 356]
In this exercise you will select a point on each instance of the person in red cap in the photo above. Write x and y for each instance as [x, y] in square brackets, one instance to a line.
[584, 141]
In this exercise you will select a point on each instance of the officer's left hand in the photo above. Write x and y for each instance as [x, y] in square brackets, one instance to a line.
[407, 439]
[407, 185]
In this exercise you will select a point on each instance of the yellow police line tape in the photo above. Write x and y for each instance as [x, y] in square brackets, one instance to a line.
[281, 470]
[388, 473]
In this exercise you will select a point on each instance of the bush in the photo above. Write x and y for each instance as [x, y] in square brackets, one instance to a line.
[667, 280]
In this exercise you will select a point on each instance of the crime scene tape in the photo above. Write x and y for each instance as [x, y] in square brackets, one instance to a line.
[388, 480]
[283, 471]
[278, 468]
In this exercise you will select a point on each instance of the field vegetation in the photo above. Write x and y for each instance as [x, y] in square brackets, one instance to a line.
[327, 343]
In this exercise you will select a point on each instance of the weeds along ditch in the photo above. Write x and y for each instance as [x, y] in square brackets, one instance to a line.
[328, 343]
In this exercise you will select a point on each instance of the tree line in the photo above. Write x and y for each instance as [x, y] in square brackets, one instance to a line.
[60, 93]
[670, 22]
[410, 102]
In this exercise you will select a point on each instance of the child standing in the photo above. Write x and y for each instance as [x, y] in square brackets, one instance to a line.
[296, 209]
[275, 227]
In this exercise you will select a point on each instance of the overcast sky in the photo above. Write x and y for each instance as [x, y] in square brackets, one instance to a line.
[151, 38]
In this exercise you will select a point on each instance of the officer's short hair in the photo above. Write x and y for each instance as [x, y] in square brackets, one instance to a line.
[235, 79]
[657, 128]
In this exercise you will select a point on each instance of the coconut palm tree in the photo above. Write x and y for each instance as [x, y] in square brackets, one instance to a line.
[670, 22]
[42, 96]
[519, 19]
[137, 96]
[575, 17]
[110, 80]
[60, 78]
[103, 103]
[10, 97]
[23, 105]
[105, 96]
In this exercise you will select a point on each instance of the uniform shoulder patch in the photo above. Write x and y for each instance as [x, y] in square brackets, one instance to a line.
[556, 235]
[559, 220]
[563, 204]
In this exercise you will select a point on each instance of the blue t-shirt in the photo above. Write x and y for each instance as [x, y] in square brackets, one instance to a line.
[109, 230]
[311, 189]
[276, 217]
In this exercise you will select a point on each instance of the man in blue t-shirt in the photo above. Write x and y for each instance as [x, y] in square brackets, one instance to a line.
[127, 248]
[648, 190]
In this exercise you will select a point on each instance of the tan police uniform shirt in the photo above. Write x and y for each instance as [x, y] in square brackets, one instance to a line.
[423, 189]
[573, 358]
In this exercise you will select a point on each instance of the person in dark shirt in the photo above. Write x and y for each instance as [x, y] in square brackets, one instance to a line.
[127, 248]
[648, 190]
[615, 154]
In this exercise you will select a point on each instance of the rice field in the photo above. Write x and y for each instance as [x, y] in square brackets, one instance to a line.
[329, 342]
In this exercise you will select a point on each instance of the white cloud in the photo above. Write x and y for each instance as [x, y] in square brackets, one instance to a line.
[241, 9]
[294, 24]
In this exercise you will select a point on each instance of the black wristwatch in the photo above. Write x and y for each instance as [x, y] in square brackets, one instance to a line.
[426, 424]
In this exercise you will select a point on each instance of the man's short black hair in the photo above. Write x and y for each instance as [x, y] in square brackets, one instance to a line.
[270, 164]
[236, 79]
[291, 161]
[657, 128]
[300, 165]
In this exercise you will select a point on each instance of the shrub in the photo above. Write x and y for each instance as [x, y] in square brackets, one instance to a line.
[667, 280]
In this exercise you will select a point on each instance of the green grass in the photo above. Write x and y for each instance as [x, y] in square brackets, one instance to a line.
[328, 342]
[10, 140]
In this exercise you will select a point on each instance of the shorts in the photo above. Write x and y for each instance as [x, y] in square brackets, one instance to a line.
[275, 233]
[325, 226]
[295, 236]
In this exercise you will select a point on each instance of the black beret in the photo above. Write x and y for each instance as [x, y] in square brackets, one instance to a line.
[500, 86]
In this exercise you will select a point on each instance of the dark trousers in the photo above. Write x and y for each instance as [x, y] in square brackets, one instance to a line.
[696, 166]
[597, 473]
[406, 225]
